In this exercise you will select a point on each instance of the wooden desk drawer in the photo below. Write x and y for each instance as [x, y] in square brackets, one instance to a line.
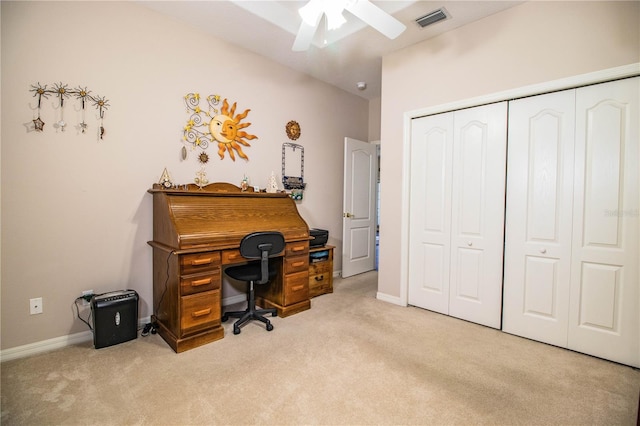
[296, 288]
[232, 256]
[320, 284]
[297, 248]
[199, 311]
[198, 262]
[296, 264]
[320, 268]
[191, 284]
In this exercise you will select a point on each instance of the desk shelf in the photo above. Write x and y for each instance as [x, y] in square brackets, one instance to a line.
[320, 270]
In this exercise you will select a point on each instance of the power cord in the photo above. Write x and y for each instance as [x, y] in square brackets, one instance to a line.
[86, 297]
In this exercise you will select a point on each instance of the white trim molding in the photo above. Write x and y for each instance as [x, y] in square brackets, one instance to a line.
[390, 299]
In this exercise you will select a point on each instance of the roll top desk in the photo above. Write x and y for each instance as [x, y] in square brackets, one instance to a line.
[196, 233]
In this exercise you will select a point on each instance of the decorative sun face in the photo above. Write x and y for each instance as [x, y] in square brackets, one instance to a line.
[203, 157]
[224, 127]
[226, 130]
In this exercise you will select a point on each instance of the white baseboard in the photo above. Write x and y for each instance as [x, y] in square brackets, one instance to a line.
[55, 343]
[390, 299]
[86, 336]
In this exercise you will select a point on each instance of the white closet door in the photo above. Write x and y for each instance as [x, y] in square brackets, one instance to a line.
[539, 217]
[477, 214]
[605, 284]
[430, 212]
[457, 213]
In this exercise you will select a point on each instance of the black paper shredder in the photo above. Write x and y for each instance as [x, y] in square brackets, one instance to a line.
[115, 317]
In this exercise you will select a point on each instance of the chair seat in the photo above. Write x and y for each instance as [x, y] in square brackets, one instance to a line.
[249, 272]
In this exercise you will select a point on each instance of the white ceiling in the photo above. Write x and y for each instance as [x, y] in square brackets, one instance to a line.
[353, 53]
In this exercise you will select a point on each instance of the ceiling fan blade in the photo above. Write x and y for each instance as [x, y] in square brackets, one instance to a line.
[377, 18]
[304, 38]
[311, 14]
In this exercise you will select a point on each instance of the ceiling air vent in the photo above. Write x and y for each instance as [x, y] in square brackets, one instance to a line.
[432, 18]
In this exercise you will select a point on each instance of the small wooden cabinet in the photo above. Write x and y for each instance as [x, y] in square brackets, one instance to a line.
[320, 270]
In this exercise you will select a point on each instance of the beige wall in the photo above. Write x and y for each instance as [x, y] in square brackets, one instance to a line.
[532, 43]
[374, 119]
[75, 212]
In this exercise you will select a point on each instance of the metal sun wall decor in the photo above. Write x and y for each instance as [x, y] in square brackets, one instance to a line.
[62, 92]
[214, 125]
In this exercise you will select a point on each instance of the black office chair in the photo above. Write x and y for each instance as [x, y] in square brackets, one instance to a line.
[258, 245]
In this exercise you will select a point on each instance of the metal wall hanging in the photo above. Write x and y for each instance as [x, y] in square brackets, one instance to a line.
[62, 92]
[213, 125]
[292, 162]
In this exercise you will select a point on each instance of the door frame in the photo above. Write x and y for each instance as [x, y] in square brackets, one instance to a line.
[624, 71]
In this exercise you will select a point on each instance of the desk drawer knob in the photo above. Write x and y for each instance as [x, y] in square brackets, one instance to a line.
[319, 277]
[201, 313]
[298, 248]
[297, 287]
[296, 264]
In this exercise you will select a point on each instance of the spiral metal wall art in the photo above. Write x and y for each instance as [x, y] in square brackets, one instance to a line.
[213, 125]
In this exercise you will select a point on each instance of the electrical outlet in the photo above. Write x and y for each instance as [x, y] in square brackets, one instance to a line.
[35, 306]
[85, 294]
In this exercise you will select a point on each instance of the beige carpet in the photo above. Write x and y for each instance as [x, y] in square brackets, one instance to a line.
[351, 359]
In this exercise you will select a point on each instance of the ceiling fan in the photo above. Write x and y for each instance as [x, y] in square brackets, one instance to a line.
[369, 13]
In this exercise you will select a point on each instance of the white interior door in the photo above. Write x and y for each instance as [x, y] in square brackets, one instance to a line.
[477, 213]
[430, 212]
[605, 283]
[539, 217]
[359, 204]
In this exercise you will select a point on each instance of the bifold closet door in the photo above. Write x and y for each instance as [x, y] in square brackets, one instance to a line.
[605, 279]
[430, 212]
[477, 213]
[537, 266]
[571, 275]
[457, 213]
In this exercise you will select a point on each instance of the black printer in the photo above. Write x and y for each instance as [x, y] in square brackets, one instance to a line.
[319, 237]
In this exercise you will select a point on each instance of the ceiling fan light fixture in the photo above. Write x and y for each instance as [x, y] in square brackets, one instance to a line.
[364, 10]
[311, 12]
[333, 11]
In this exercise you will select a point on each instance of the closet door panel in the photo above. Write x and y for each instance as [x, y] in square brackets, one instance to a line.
[605, 283]
[477, 215]
[430, 212]
[538, 220]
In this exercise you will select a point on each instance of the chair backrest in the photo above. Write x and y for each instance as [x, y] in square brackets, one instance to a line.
[262, 245]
